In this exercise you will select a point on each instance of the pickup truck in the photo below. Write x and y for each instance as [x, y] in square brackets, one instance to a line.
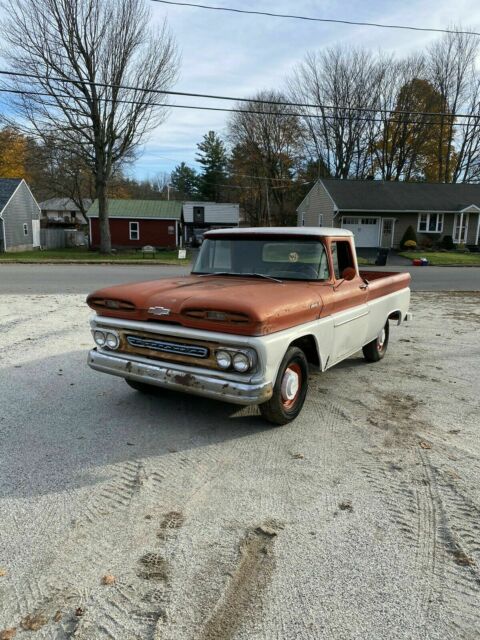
[261, 307]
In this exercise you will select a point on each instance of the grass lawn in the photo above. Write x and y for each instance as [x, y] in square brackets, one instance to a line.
[452, 258]
[83, 255]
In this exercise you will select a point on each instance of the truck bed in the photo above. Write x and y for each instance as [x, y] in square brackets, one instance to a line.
[381, 283]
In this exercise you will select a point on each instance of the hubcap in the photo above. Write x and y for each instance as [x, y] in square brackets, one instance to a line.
[291, 384]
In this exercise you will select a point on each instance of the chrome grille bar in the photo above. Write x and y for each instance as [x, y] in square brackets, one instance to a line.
[168, 347]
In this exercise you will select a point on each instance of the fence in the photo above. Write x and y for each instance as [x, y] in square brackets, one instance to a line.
[62, 238]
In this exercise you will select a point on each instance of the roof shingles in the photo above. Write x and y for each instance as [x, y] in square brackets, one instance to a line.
[376, 195]
[7, 188]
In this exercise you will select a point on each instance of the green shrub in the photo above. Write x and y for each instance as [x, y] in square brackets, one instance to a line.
[447, 243]
[408, 235]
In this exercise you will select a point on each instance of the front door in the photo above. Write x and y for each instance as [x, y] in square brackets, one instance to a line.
[386, 240]
[460, 228]
[350, 313]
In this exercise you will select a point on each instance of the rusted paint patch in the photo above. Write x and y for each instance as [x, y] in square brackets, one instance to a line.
[186, 379]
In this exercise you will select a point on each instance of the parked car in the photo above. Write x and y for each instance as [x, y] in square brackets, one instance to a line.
[260, 308]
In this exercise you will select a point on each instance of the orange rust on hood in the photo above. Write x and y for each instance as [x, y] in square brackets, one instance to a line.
[264, 305]
[252, 306]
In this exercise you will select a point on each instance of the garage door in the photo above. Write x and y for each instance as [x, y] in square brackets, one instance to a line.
[365, 230]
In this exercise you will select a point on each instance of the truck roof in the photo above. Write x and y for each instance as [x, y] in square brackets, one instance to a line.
[282, 231]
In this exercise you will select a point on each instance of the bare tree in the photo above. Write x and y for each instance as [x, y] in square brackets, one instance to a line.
[93, 71]
[266, 150]
[339, 83]
[452, 71]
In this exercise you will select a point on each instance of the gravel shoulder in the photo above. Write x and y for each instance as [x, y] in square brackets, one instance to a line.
[359, 520]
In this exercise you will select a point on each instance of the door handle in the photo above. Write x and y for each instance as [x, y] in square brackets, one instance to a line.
[363, 286]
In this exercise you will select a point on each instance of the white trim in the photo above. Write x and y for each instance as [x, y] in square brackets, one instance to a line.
[132, 218]
[389, 211]
[130, 229]
[461, 215]
[8, 201]
[472, 208]
[428, 214]
[90, 232]
[4, 235]
[382, 220]
[478, 229]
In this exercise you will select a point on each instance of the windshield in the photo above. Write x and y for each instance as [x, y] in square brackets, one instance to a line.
[288, 259]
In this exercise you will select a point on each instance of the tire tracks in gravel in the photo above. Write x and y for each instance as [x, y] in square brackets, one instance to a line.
[429, 517]
[136, 486]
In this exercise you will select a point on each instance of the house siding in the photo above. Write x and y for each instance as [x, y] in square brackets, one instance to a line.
[215, 213]
[316, 203]
[152, 232]
[21, 209]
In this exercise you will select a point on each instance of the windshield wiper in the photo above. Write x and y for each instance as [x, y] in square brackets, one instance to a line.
[233, 273]
[261, 275]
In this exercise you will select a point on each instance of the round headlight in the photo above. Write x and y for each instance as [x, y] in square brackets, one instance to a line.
[99, 338]
[112, 341]
[241, 362]
[224, 359]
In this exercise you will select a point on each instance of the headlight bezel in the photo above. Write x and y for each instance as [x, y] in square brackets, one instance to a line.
[248, 354]
[99, 337]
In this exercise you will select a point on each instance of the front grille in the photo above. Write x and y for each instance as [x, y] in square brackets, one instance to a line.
[168, 347]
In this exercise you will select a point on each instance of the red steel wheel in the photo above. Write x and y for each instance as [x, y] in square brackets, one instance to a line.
[290, 389]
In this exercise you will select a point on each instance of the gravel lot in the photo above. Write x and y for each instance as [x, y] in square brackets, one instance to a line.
[359, 520]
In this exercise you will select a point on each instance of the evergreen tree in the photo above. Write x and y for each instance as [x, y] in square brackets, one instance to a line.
[184, 181]
[212, 156]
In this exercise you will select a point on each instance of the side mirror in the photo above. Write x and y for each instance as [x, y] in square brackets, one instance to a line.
[349, 273]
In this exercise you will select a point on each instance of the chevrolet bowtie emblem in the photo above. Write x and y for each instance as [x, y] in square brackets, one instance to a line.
[159, 311]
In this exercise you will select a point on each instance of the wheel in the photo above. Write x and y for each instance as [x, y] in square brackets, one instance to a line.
[290, 389]
[143, 387]
[375, 350]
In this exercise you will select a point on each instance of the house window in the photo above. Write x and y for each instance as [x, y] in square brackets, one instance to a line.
[25, 229]
[199, 215]
[171, 230]
[134, 229]
[430, 222]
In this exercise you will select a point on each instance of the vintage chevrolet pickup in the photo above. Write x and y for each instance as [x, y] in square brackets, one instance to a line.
[260, 307]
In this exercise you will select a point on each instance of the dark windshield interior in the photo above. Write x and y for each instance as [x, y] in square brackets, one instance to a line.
[289, 259]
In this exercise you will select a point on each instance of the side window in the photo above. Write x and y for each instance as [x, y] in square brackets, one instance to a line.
[134, 231]
[25, 229]
[341, 257]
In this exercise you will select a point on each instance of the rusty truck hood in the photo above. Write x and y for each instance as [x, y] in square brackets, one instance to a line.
[230, 304]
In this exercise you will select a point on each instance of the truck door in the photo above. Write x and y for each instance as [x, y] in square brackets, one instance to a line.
[350, 309]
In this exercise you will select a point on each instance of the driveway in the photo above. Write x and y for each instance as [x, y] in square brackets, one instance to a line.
[57, 279]
[359, 520]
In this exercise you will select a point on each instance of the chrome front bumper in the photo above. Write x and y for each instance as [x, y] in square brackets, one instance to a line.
[180, 379]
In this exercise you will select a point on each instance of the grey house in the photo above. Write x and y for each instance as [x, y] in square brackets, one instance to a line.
[199, 217]
[379, 212]
[19, 216]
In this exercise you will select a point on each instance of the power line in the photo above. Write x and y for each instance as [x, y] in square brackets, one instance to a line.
[316, 116]
[314, 19]
[292, 114]
[281, 103]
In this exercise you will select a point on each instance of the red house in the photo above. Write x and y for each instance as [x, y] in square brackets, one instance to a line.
[136, 223]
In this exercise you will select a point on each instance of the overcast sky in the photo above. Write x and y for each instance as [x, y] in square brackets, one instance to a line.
[233, 54]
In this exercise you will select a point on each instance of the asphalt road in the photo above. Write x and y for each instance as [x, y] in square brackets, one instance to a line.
[359, 520]
[54, 279]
